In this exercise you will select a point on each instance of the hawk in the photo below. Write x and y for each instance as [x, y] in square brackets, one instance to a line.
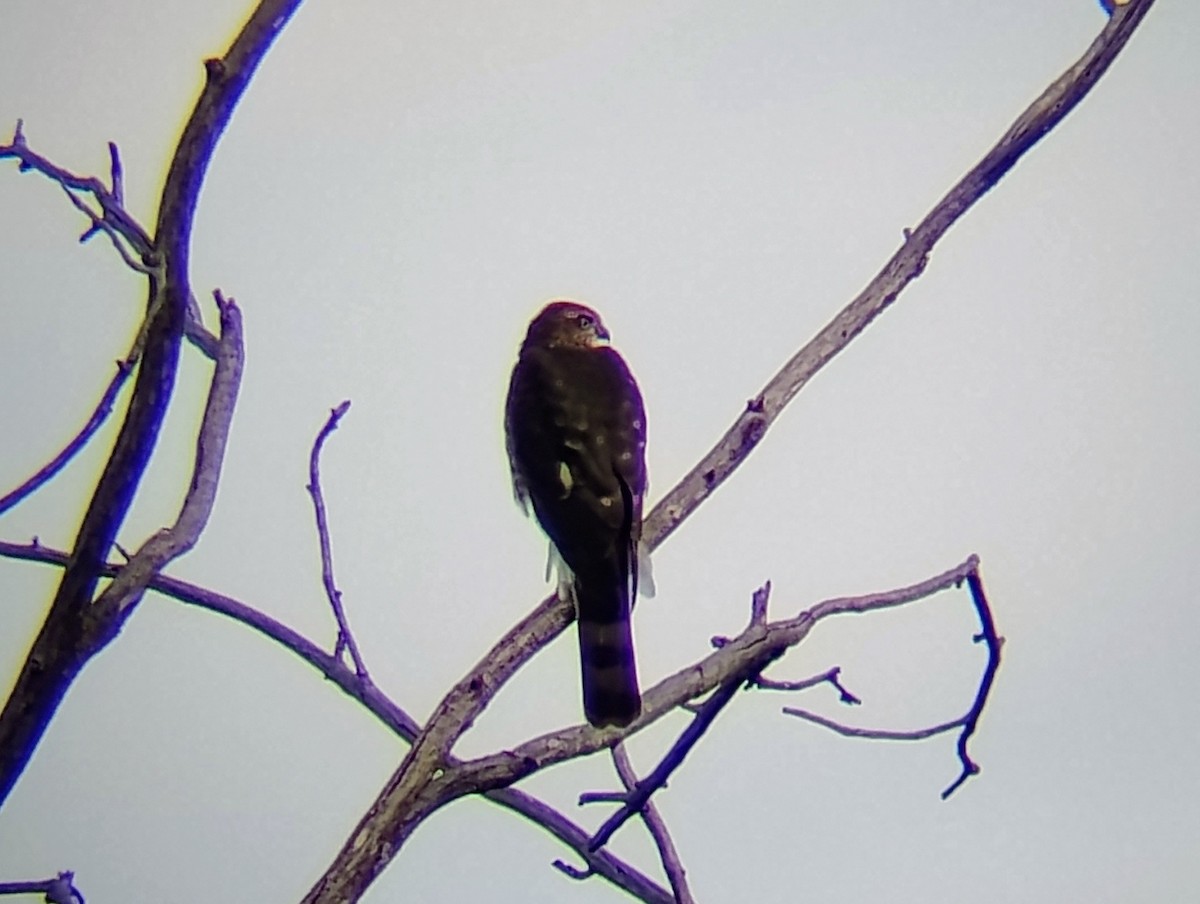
[575, 428]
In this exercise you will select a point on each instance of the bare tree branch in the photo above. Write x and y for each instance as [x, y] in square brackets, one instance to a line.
[126, 233]
[430, 777]
[97, 623]
[69, 637]
[362, 689]
[967, 722]
[742, 656]
[1059, 99]
[447, 779]
[116, 219]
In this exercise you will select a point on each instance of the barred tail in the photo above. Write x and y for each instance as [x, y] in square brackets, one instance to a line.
[610, 687]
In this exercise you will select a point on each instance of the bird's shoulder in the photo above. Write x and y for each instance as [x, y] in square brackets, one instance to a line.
[573, 368]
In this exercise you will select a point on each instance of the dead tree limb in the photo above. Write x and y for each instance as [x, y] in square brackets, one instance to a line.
[424, 782]
[71, 634]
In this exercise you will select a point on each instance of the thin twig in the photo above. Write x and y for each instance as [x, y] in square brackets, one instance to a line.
[118, 174]
[994, 644]
[874, 734]
[572, 872]
[345, 639]
[830, 676]
[100, 224]
[70, 450]
[111, 202]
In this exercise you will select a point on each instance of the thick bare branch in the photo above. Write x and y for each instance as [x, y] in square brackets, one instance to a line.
[69, 637]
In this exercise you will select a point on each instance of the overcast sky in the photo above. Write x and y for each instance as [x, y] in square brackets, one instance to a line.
[400, 190]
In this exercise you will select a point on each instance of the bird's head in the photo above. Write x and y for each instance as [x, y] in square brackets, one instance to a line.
[567, 324]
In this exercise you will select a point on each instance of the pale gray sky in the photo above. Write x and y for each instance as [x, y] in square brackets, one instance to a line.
[400, 190]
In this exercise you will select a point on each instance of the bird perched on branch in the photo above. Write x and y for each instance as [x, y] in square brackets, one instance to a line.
[575, 428]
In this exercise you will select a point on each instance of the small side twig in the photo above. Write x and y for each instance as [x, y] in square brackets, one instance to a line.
[71, 449]
[118, 173]
[195, 332]
[572, 872]
[99, 223]
[830, 676]
[345, 639]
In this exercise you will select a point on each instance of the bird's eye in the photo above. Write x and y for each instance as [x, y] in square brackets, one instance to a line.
[585, 321]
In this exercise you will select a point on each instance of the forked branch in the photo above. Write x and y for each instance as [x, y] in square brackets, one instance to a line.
[410, 795]
[71, 634]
